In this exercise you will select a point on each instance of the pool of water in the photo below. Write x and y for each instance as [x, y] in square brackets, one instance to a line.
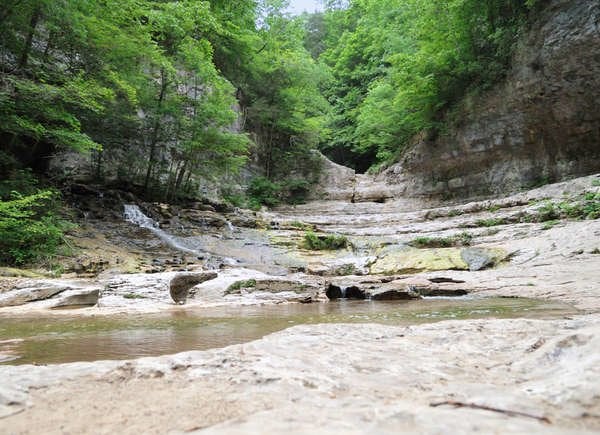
[68, 338]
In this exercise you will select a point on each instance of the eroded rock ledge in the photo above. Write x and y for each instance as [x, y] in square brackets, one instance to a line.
[542, 124]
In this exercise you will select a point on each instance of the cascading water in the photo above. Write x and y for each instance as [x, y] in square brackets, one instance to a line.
[133, 214]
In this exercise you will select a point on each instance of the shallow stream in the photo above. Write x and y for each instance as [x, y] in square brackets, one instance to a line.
[67, 338]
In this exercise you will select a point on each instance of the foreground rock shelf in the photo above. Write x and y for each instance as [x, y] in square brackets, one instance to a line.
[509, 376]
[347, 378]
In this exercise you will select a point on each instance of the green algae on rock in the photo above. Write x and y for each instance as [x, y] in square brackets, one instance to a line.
[407, 261]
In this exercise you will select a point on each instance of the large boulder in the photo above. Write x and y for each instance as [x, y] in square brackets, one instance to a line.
[411, 261]
[336, 182]
[180, 285]
[394, 287]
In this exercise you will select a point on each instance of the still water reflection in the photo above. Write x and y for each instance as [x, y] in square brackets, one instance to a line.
[56, 339]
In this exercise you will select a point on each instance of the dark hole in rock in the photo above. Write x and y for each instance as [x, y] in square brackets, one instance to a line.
[442, 280]
[394, 295]
[444, 292]
[334, 292]
[355, 293]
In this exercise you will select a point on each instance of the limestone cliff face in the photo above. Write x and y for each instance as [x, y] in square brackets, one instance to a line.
[541, 124]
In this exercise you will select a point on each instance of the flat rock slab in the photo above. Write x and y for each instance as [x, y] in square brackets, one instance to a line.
[409, 261]
[35, 291]
[76, 298]
[303, 288]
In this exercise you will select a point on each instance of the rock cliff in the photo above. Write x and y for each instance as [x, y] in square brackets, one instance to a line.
[541, 124]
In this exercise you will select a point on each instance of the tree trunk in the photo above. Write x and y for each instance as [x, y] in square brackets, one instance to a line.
[156, 129]
[33, 22]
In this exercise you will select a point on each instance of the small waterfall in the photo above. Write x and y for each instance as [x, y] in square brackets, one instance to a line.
[133, 214]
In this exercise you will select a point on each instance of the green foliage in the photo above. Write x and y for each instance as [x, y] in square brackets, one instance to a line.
[462, 239]
[329, 242]
[30, 231]
[238, 285]
[263, 191]
[549, 224]
[399, 65]
[133, 296]
[295, 191]
[455, 212]
[172, 92]
[301, 226]
[585, 206]
[491, 222]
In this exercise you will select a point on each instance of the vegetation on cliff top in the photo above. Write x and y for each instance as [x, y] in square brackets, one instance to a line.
[162, 94]
[398, 66]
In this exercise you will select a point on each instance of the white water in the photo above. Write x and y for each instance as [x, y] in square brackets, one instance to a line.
[133, 214]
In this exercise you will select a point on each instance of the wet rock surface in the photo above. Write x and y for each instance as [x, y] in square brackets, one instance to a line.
[504, 372]
[544, 369]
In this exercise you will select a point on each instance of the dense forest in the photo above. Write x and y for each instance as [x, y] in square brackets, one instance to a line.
[164, 95]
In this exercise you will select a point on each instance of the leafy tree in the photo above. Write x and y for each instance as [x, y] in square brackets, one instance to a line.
[400, 65]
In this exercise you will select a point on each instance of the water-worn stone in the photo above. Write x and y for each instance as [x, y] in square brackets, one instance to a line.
[338, 375]
[370, 289]
[204, 218]
[479, 258]
[301, 289]
[392, 292]
[355, 291]
[181, 284]
[76, 298]
[406, 261]
[33, 291]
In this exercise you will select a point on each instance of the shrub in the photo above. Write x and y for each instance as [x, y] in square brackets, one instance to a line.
[238, 285]
[549, 224]
[295, 191]
[462, 239]
[548, 212]
[492, 222]
[585, 206]
[29, 229]
[263, 191]
[328, 242]
[301, 225]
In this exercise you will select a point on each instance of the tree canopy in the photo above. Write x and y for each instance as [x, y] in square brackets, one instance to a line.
[167, 91]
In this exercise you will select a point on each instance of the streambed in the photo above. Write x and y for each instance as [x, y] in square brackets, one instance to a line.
[60, 339]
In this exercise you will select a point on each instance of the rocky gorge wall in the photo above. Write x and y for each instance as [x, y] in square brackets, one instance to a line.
[541, 124]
